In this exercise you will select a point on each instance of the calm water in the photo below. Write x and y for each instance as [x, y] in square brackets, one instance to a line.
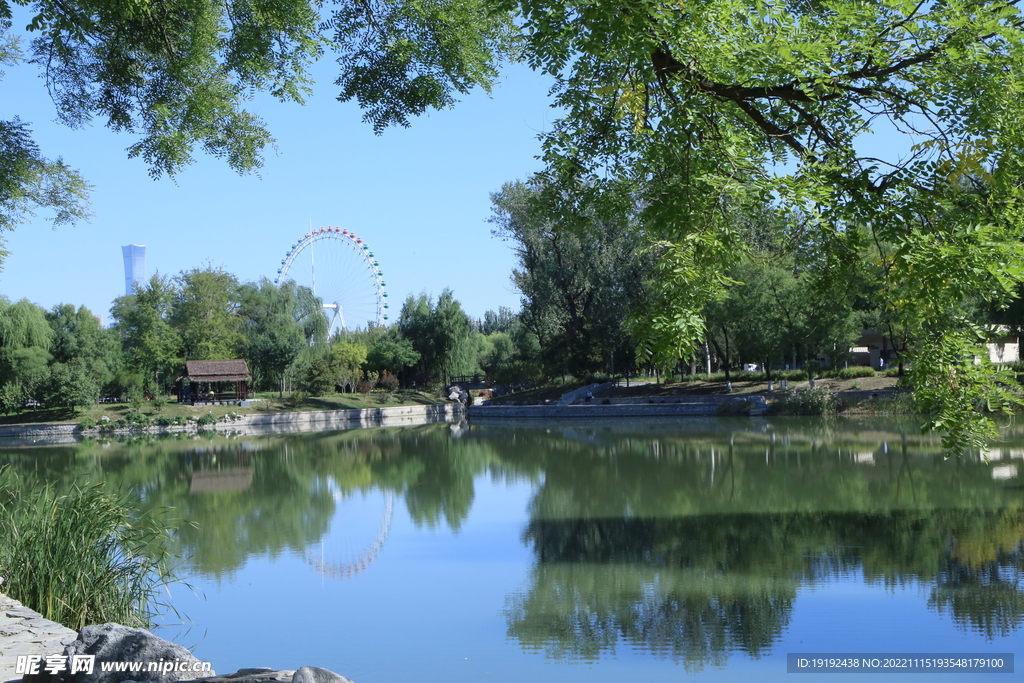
[640, 551]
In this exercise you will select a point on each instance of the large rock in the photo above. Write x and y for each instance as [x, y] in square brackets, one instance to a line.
[125, 646]
[312, 674]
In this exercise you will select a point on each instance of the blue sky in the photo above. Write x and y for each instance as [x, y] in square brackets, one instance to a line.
[420, 197]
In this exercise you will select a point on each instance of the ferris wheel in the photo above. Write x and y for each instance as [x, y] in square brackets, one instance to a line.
[340, 269]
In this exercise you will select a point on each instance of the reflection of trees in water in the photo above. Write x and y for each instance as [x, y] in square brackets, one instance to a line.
[981, 578]
[987, 600]
[700, 586]
[586, 610]
[288, 498]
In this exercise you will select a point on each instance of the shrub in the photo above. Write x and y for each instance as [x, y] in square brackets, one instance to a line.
[792, 375]
[296, 399]
[388, 382]
[818, 401]
[364, 386]
[164, 421]
[87, 423]
[12, 397]
[79, 558]
[207, 420]
[853, 372]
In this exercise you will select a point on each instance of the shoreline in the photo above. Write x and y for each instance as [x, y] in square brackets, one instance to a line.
[251, 424]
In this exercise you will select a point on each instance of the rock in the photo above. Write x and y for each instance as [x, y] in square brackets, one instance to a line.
[254, 675]
[312, 674]
[117, 643]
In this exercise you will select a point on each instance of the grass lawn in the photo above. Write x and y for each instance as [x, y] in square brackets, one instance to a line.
[704, 387]
[267, 403]
[538, 396]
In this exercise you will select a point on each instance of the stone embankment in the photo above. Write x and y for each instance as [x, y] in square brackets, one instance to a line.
[627, 408]
[26, 633]
[257, 423]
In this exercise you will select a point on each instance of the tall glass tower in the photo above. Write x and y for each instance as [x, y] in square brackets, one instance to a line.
[134, 266]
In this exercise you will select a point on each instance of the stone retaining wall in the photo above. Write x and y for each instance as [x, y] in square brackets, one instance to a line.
[256, 423]
[594, 410]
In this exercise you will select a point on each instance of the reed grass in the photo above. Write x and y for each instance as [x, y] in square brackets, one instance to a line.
[79, 558]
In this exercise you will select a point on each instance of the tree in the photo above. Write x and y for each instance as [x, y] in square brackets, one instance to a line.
[277, 323]
[502, 321]
[205, 314]
[347, 361]
[177, 75]
[578, 279]
[687, 107]
[70, 385]
[25, 340]
[143, 320]
[29, 182]
[441, 334]
[79, 341]
[391, 353]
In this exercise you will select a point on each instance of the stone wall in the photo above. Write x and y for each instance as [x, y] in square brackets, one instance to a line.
[256, 423]
[594, 410]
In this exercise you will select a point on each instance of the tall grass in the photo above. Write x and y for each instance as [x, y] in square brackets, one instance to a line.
[78, 558]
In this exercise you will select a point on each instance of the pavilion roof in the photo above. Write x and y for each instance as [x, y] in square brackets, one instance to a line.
[217, 370]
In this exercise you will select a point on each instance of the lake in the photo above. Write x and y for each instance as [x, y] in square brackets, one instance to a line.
[692, 548]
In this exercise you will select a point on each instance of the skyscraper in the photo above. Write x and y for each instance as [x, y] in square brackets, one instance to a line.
[134, 266]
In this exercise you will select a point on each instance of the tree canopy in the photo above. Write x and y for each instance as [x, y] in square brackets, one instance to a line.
[690, 109]
[177, 75]
[687, 110]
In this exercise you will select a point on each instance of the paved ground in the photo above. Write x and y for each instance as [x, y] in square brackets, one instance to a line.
[25, 632]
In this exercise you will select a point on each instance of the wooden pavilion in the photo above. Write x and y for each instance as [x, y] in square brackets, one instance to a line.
[206, 379]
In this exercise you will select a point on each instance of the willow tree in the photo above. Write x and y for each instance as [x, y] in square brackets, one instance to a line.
[693, 107]
[25, 342]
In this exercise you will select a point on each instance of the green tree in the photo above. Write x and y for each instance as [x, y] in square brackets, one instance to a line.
[177, 75]
[502, 321]
[70, 385]
[30, 182]
[578, 277]
[440, 332]
[77, 336]
[392, 353]
[25, 341]
[277, 324]
[687, 107]
[205, 314]
[347, 361]
[150, 342]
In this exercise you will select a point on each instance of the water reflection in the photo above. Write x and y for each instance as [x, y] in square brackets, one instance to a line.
[691, 540]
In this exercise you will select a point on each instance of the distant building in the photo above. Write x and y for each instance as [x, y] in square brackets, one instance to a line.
[134, 266]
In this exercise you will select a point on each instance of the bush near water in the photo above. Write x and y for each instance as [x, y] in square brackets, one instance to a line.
[80, 557]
